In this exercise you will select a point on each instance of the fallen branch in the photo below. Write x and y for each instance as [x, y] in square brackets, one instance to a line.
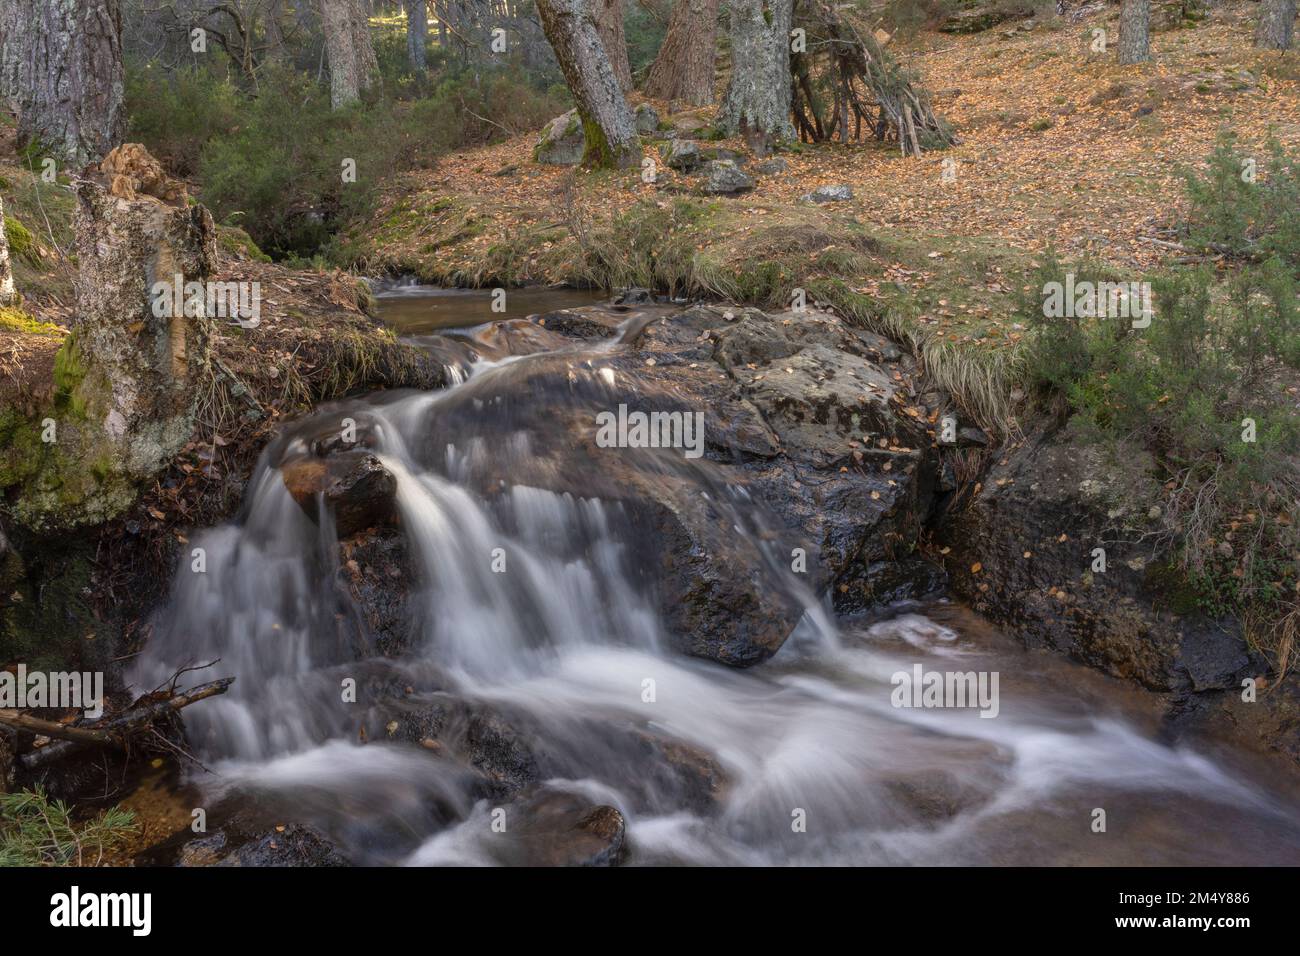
[115, 732]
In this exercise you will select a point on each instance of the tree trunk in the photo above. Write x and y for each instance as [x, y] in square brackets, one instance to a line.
[609, 22]
[1135, 31]
[417, 33]
[683, 68]
[353, 67]
[1276, 27]
[7, 295]
[757, 103]
[61, 70]
[275, 42]
[607, 121]
[143, 359]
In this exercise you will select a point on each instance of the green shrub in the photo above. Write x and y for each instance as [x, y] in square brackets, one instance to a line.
[272, 162]
[177, 113]
[1218, 359]
[38, 831]
[1246, 206]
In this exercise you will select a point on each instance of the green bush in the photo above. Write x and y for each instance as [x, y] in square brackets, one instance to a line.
[1246, 206]
[38, 831]
[272, 163]
[1218, 358]
[176, 114]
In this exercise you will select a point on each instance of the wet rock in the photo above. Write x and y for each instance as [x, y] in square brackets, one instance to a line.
[379, 572]
[634, 296]
[647, 119]
[355, 488]
[682, 155]
[290, 845]
[722, 177]
[562, 141]
[683, 773]
[867, 586]
[826, 194]
[555, 828]
[579, 325]
[1270, 723]
[802, 414]
[1214, 661]
[936, 796]
[295, 845]
[499, 744]
[1021, 550]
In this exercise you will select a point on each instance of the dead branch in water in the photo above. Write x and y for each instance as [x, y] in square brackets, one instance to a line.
[116, 732]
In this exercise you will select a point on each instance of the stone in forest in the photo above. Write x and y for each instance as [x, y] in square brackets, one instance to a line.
[772, 167]
[825, 194]
[722, 177]
[682, 155]
[562, 141]
[647, 118]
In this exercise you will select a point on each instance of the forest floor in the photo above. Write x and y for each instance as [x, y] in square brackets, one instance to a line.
[1060, 149]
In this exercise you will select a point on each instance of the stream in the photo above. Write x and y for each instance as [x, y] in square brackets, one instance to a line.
[803, 759]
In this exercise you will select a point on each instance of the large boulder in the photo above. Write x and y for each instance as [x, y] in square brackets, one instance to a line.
[724, 177]
[562, 141]
[816, 457]
[1023, 548]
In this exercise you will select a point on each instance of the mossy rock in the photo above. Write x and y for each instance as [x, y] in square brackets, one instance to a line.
[22, 245]
[237, 242]
[562, 142]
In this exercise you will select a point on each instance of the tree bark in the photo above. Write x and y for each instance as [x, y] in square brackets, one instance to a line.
[1276, 27]
[144, 359]
[353, 67]
[609, 23]
[1135, 31]
[683, 69]
[7, 294]
[757, 103]
[61, 70]
[275, 43]
[607, 121]
[417, 33]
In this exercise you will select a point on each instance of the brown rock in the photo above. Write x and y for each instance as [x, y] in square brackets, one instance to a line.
[354, 486]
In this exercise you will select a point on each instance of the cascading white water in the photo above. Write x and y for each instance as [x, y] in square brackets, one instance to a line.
[567, 634]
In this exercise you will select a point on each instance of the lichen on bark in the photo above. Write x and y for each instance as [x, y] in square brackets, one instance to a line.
[128, 378]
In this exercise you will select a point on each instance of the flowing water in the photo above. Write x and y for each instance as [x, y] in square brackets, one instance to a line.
[415, 309]
[814, 763]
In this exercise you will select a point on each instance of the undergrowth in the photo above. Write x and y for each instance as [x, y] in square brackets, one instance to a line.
[38, 831]
[1209, 388]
